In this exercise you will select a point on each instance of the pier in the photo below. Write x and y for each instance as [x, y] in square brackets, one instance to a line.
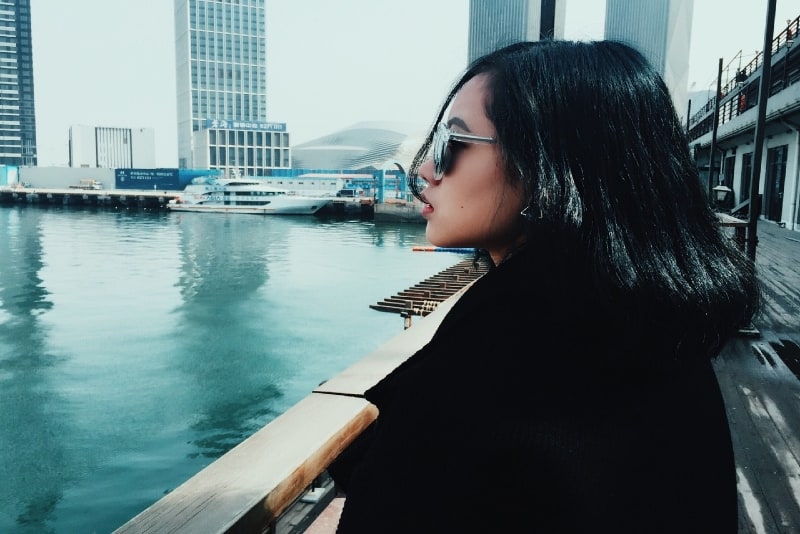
[87, 197]
[422, 298]
[361, 207]
[365, 208]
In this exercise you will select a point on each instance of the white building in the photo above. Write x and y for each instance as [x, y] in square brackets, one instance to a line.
[777, 174]
[111, 148]
[221, 86]
[368, 144]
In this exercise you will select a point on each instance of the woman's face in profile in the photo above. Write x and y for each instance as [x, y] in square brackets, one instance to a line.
[472, 205]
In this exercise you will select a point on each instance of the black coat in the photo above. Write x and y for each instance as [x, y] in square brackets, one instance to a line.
[525, 413]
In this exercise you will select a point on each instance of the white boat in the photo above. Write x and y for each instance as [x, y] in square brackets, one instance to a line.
[244, 195]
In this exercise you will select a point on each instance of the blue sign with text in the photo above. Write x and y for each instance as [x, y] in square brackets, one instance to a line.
[224, 124]
[163, 179]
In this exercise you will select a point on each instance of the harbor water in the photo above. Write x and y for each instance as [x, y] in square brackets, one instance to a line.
[136, 347]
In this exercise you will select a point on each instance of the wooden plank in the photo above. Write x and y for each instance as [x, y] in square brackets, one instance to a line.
[421, 298]
[730, 221]
[424, 295]
[761, 398]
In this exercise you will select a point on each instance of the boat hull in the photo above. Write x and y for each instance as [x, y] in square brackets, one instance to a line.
[244, 195]
[288, 208]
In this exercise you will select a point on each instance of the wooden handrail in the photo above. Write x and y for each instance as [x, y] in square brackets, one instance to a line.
[247, 489]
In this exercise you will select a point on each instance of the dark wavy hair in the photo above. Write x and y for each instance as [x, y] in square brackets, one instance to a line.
[616, 208]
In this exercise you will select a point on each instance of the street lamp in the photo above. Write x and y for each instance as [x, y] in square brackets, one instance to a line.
[723, 195]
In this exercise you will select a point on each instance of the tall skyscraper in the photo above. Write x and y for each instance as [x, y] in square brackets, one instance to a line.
[661, 30]
[496, 23]
[17, 117]
[221, 82]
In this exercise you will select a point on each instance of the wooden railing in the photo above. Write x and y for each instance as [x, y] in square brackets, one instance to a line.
[247, 489]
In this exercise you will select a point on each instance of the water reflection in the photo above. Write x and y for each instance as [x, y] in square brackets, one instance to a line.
[224, 263]
[30, 412]
[245, 323]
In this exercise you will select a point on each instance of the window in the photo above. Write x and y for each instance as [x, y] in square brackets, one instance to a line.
[727, 177]
[774, 182]
[747, 171]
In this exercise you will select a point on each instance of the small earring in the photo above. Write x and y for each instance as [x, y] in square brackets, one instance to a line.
[525, 213]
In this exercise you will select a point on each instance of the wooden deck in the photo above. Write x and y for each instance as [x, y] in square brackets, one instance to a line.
[760, 380]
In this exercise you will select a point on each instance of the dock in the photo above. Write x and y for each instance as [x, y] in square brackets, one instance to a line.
[760, 381]
[87, 197]
[356, 207]
[424, 297]
[393, 210]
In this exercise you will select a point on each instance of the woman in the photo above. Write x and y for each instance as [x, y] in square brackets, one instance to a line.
[570, 389]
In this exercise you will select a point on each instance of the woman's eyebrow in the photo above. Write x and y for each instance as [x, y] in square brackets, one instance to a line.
[458, 122]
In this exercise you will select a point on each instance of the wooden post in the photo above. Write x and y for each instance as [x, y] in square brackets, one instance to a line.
[763, 96]
[713, 148]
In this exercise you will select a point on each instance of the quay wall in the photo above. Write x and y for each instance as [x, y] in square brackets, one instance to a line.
[63, 177]
[399, 211]
[118, 198]
[163, 179]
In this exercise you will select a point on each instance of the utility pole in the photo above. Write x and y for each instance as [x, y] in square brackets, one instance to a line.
[688, 115]
[763, 96]
[713, 149]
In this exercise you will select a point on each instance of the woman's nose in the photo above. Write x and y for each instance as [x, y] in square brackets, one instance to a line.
[426, 171]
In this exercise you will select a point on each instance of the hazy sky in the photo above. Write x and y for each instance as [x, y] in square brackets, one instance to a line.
[331, 63]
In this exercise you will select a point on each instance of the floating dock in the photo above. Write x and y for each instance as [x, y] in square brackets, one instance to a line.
[422, 298]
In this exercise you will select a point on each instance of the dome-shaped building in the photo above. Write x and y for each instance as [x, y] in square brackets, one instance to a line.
[373, 144]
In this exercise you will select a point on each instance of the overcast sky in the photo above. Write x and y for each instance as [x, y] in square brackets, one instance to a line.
[330, 63]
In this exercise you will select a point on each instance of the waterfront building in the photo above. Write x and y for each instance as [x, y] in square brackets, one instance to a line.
[124, 148]
[661, 30]
[736, 113]
[370, 144]
[17, 115]
[221, 83]
[493, 24]
[369, 157]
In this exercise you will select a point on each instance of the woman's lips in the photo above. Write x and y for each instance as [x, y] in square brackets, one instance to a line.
[426, 207]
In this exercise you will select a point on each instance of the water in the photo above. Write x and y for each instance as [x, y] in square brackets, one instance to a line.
[136, 347]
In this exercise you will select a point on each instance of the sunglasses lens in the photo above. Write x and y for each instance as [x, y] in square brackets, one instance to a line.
[442, 155]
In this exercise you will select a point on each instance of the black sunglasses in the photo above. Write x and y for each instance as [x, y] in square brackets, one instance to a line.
[443, 154]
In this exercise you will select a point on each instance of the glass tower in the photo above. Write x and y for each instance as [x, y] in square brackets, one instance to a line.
[494, 24]
[221, 82]
[661, 31]
[17, 117]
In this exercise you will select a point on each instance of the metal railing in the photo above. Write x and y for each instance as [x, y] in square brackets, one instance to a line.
[739, 92]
